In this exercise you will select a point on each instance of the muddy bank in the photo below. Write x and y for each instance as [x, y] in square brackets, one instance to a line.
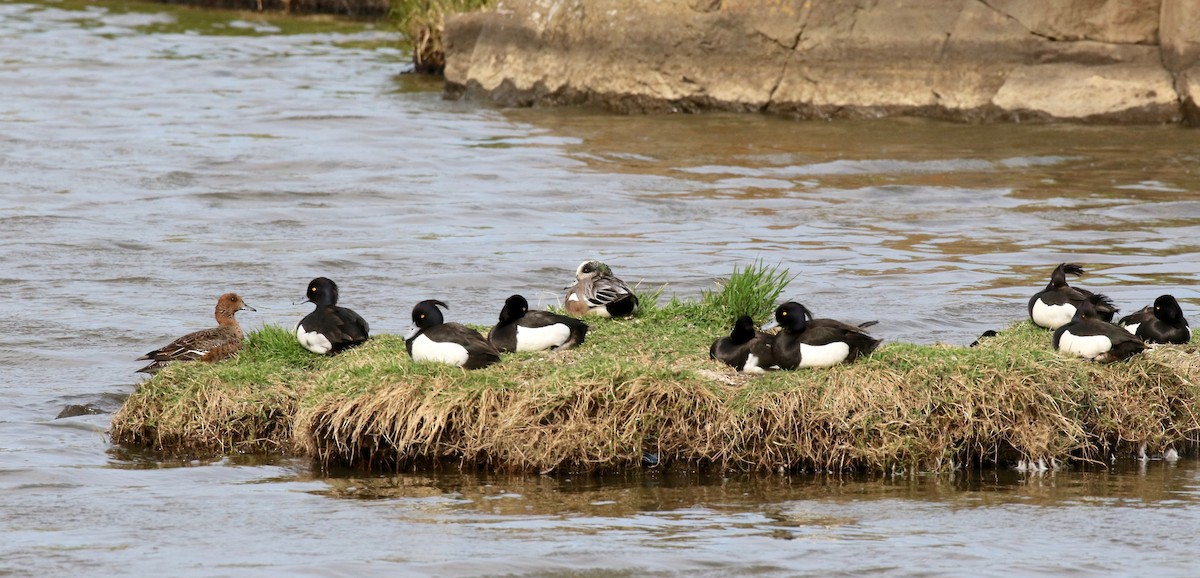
[972, 60]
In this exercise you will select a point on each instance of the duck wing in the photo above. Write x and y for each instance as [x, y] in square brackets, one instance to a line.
[211, 344]
[606, 289]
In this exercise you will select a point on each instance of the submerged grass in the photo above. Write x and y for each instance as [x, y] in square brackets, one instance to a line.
[643, 392]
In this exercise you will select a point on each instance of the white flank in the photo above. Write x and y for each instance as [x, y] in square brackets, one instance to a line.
[1086, 346]
[752, 365]
[1052, 316]
[312, 341]
[823, 355]
[539, 338]
[1133, 328]
[426, 349]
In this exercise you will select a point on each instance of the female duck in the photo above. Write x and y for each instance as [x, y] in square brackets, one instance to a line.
[213, 344]
[808, 342]
[1055, 305]
[1162, 322]
[598, 292]
[1092, 338]
[434, 340]
[329, 329]
[520, 329]
[745, 349]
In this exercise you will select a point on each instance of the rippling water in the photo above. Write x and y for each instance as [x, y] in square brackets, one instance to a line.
[152, 158]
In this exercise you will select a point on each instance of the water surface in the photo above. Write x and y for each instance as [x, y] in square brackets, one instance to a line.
[152, 158]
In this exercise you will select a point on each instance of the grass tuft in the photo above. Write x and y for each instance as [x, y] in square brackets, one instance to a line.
[753, 290]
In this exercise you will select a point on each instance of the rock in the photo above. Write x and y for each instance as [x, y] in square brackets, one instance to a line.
[1179, 34]
[75, 410]
[1076, 60]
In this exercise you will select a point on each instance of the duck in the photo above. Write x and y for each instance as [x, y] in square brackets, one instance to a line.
[598, 292]
[1162, 322]
[432, 339]
[208, 345]
[1090, 337]
[520, 329]
[745, 349]
[329, 329]
[807, 342]
[1055, 305]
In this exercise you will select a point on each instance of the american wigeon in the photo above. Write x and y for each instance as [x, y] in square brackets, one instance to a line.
[598, 292]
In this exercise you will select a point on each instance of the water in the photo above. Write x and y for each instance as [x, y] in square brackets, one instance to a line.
[152, 158]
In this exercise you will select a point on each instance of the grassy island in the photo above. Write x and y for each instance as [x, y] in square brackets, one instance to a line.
[643, 393]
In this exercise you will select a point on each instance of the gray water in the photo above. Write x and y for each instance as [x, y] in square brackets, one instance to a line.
[152, 158]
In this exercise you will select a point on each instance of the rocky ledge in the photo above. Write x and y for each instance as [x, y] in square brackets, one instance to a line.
[1118, 61]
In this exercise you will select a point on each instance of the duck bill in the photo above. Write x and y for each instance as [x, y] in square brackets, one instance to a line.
[411, 333]
[772, 324]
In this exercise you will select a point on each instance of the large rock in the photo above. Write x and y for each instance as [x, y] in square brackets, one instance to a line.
[1079, 60]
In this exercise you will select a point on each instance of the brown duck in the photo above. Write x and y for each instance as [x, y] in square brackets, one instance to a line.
[213, 344]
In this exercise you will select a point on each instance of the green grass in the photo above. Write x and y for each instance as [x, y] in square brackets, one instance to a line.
[754, 290]
[646, 386]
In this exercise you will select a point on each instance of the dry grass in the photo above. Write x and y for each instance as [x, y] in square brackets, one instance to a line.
[643, 392]
[423, 22]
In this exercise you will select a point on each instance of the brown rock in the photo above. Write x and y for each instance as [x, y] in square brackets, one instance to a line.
[1078, 60]
[1179, 32]
[1115, 21]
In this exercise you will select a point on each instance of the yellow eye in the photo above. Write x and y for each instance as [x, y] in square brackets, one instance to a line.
[422, 316]
[783, 313]
[312, 288]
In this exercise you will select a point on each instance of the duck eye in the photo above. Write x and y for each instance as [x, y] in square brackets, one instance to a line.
[783, 313]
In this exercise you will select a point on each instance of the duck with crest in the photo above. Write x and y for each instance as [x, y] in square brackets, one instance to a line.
[1055, 305]
[745, 348]
[807, 342]
[520, 329]
[1090, 337]
[329, 329]
[213, 344]
[1162, 322]
[432, 339]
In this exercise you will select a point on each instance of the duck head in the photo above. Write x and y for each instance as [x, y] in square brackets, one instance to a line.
[515, 308]
[791, 316]
[322, 291]
[1167, 310]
